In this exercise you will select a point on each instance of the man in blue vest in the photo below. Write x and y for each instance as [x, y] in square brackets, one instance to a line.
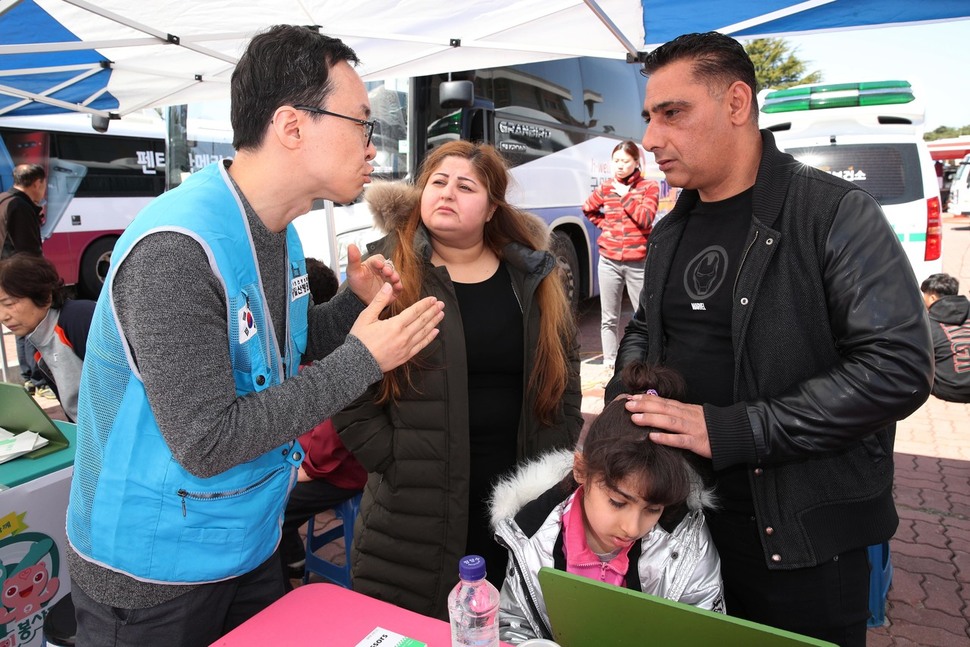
[190, 398]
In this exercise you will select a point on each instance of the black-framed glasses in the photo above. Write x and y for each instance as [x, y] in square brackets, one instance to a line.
[368, 125]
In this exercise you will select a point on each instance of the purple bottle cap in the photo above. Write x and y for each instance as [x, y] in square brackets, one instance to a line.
[471, 568]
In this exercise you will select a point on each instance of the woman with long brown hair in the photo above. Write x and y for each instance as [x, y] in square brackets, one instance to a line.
[500, 383]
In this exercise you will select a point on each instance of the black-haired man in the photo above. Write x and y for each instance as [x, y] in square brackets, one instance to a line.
[784, 298]
[190, 397]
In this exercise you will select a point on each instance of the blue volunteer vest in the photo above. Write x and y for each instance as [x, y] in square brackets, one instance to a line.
[133, 508]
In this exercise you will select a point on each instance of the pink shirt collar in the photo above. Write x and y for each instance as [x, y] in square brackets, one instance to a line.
[580, 559]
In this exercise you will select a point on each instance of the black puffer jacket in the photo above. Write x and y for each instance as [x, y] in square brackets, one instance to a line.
[831, 348]
[414, 514]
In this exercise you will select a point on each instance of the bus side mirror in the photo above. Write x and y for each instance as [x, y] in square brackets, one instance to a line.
[456, 94]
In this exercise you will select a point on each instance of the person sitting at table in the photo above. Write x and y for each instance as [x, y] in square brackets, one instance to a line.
[34, 304]
[620, 509]
[499, 384]
[329, 474]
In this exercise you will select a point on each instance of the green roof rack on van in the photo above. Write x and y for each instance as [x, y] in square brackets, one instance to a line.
[838, 95]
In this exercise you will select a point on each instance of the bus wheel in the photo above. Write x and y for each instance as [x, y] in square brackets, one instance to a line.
[568, 262]
[94, 267]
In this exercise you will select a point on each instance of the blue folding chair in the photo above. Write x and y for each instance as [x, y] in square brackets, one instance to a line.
[346, 513]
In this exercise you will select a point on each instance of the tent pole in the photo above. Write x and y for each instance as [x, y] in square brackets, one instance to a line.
[176, 145]
[609, 24]
[332, 237]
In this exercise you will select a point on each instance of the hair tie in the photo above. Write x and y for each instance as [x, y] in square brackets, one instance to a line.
[653, 392]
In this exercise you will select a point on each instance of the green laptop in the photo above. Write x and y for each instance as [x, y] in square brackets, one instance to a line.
[587, 613]
[20, 412]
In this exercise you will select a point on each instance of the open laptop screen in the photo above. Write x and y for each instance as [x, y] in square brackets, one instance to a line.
[584, 612]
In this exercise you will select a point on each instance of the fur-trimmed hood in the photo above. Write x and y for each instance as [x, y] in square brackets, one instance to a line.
[392, 203]
[533, 478]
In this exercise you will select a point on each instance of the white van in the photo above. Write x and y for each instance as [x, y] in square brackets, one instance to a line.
[872, 135]
[960, 189]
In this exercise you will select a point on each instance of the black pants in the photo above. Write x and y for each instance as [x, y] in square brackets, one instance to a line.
[306, 500]
[195, 619]
[829, 601]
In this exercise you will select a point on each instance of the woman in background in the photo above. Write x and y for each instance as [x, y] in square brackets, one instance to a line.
[500, 384]
[624, 208]
[34, 304]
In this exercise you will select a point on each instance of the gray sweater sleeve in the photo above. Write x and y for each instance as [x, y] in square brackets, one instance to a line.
[172, 310]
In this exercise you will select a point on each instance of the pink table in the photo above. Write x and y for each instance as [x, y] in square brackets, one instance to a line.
[327, 614]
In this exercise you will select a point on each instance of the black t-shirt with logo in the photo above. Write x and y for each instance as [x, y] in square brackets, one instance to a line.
[696, 311]
[698, 298]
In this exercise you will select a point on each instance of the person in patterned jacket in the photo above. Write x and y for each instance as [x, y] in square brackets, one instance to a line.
[624, 208]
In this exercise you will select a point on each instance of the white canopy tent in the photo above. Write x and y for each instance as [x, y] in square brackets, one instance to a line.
[113, 57]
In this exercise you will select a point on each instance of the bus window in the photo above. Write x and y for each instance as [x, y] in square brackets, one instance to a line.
[889, 172]
[624, 85]
[117, 166]
[552, 88]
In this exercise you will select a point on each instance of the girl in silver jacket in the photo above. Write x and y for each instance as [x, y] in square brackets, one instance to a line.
[620, 510]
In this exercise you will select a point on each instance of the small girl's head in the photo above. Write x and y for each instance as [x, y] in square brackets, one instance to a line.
[625, 159]
[628, 480]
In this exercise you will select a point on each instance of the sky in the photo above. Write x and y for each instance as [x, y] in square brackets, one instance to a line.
[932, 57]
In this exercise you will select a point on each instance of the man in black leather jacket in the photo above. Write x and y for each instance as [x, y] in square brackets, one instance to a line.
[785, 299]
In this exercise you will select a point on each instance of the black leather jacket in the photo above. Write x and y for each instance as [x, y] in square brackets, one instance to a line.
[831, 346]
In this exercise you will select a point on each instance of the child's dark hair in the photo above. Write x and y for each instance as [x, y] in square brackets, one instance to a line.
[615, 447]
[323, 281]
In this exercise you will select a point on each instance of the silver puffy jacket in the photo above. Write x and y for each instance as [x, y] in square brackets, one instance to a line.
[682, 565]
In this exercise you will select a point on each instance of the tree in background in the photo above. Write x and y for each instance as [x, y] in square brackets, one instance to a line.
[946, 132]
[776, 66]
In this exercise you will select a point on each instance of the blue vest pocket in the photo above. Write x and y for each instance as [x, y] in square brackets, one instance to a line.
[229, 531]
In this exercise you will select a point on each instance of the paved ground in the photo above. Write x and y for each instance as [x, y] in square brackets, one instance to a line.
[927, 604]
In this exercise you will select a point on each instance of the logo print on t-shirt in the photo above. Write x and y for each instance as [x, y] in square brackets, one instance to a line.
[704, 274]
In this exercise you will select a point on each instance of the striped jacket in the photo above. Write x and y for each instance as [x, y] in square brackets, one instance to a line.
[625, 221]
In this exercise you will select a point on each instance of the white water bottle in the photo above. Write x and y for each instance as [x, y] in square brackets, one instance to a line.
[473, 606]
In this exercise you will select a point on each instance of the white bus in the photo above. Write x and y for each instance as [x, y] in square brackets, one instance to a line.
[555, 122]
[97, 182]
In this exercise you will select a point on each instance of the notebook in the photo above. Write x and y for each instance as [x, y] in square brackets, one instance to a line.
[584, 612]
[19, 412]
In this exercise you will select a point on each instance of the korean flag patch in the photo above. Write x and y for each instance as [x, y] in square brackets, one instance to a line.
[247, 324]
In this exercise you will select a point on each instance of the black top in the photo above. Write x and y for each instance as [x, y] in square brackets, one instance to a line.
[494, 341]
[19, 224]
[697, 315]
[697, 298]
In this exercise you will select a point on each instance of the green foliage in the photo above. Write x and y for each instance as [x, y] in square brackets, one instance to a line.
[946, 132]
[776, 65]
